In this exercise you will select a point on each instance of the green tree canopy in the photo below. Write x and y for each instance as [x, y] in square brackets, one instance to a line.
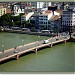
[5, 20]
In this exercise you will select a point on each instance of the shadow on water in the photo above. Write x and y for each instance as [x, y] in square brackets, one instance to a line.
[14, 58]
[24, 54]
[6, 61]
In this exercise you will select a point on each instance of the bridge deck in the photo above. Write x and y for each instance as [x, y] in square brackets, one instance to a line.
[7, 54]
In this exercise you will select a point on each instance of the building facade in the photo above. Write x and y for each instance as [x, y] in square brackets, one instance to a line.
[16, 9]
[26, 16]
[2, 10]
[44, 18]
[68, 21]
[47, 20]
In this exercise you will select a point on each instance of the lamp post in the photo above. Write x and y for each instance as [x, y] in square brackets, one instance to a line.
[22, 41]
[2, 47]
[13, 23]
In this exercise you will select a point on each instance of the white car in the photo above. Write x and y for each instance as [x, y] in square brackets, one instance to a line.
[15, 51]
[46, 41]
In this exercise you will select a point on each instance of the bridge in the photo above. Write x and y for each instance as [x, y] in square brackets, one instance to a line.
[16, 52]
[73, 35]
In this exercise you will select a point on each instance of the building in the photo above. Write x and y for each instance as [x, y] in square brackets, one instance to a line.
[8, 11]
[26, 16]
[68, 21]
[2, 10]
[37, 5]
[55, 23]
[16, 9]
[35, 19]
[44, 18]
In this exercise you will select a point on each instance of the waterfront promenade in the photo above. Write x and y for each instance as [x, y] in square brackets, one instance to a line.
[34, 46]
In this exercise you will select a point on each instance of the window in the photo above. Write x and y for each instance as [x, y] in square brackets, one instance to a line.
[46, 22]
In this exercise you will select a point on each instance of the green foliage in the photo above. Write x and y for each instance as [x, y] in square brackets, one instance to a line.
[26, 24]
[6, 20]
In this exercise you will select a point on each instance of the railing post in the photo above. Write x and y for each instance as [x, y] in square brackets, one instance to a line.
[35, 50]
[17, 56]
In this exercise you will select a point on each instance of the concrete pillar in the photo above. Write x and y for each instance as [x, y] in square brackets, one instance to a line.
[51, 45]
[17, 56]
[65, 41]
[35, 50]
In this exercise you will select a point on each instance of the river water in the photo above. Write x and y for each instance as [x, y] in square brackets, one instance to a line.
[59, 58]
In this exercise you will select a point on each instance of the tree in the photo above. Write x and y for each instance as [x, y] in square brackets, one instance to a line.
[6, 20]
[27, 24]
[56, 30]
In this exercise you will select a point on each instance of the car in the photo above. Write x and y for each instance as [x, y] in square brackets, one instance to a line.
[46, 41]
[73, 34]
[57, 39]
[65, 37]
[15, 51]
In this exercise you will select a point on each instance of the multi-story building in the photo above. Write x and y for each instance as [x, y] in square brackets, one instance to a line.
[2, 10]
[35, 20]
[37, 5]
[8, 11]
[44, 18]
[47, 19]
[16, 9]
[26, 16]
[68, 21]
[55, 23]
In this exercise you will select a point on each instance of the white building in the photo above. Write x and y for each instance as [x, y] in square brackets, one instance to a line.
[55, 23]
[68, 20]
[16, 10]
[41, 4]
[2, 10]
[58, 12]
[26, 16]
[46, 21]
[44, 18]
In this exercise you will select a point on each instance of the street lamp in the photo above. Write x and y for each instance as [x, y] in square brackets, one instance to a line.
[22, 40]
[2, 47]
[13, 22]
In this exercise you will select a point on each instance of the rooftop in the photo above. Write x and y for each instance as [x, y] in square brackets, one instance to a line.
[47, 12]
[58, 10]
[51, 6]
[54, 17]
[25, 14]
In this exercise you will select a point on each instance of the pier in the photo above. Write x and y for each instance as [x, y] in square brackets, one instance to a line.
[34, 46]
